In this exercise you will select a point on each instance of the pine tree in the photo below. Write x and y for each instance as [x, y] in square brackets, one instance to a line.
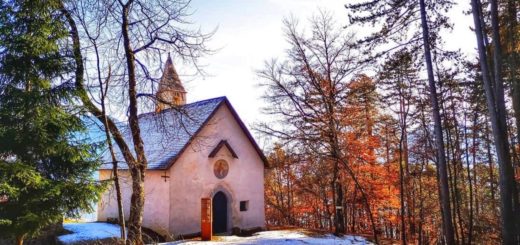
[494, 90]
[46, 166]
[415, 25]
[398, 78]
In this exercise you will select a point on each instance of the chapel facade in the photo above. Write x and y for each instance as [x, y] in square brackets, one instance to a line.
[195, 151]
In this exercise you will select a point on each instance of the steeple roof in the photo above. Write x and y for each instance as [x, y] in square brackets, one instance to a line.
[170, 79]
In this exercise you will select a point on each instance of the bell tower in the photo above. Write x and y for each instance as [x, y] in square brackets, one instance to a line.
[171, 93]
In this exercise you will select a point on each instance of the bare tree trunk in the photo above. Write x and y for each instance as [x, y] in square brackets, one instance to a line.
[339, 217]
[421, 205]
[115, 170]
[441, 159]
[136, 207]
[470, 182]
[79, 76]
[496, 109]
[492, 186]
[401, 191]
[19, 239]
[457, 167]
[512, 25]
[119, 198]
[339, 224]
[138, 170]
[402, 140]
[103, 93]
[452, 170]
[410, 186]
[474, 161]
[509, 176]
[365, 200]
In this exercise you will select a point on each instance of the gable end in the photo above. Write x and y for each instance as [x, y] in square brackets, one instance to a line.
[219, 146]
[225, 101]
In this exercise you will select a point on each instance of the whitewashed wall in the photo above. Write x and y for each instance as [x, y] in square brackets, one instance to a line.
[173, 207]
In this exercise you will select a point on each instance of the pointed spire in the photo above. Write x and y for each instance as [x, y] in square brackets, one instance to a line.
[170, 79]
[170, 92]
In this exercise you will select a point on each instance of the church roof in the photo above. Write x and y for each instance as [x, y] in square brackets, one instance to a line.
[168, 133]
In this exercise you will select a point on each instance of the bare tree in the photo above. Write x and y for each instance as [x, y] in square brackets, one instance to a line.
[92, 24]
[309, 92]
[133, 37]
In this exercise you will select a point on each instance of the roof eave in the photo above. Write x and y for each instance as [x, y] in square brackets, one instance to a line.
[241, 124]
[247, 133]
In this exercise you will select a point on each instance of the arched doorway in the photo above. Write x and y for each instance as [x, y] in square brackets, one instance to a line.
[219, 213]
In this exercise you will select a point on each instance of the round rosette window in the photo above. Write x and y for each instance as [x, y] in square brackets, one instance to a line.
[221, 169]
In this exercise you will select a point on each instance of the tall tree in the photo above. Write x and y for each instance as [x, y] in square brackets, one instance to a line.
[439, 142]
[397, 77]
[46, 165]
[310, 93]
[93, 23]
[414, 24]
[497, 114]
[511, 30]
[135, 35]
[281, 183]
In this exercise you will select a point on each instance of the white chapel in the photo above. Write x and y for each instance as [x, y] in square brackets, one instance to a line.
[194, 151]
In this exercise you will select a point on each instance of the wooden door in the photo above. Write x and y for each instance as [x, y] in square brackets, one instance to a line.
[220, 213]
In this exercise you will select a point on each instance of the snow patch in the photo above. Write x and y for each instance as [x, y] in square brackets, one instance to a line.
[280, 237]
[89, 231]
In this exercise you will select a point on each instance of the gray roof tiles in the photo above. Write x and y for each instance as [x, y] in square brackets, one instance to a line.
[165, 134]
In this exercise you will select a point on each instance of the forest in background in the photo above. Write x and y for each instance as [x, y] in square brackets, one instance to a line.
[424, 150]
[358, 153]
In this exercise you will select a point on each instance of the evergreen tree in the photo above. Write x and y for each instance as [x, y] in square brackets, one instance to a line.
[494, 90]
[414, 24]
[46, 167]
[398, 78]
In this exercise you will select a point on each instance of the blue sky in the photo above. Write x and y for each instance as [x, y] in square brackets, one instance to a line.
[250, 32]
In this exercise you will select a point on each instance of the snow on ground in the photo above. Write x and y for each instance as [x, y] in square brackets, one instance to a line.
[280, 237]
[88, 231]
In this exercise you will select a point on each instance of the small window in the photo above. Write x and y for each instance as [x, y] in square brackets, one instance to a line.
[244, 206]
